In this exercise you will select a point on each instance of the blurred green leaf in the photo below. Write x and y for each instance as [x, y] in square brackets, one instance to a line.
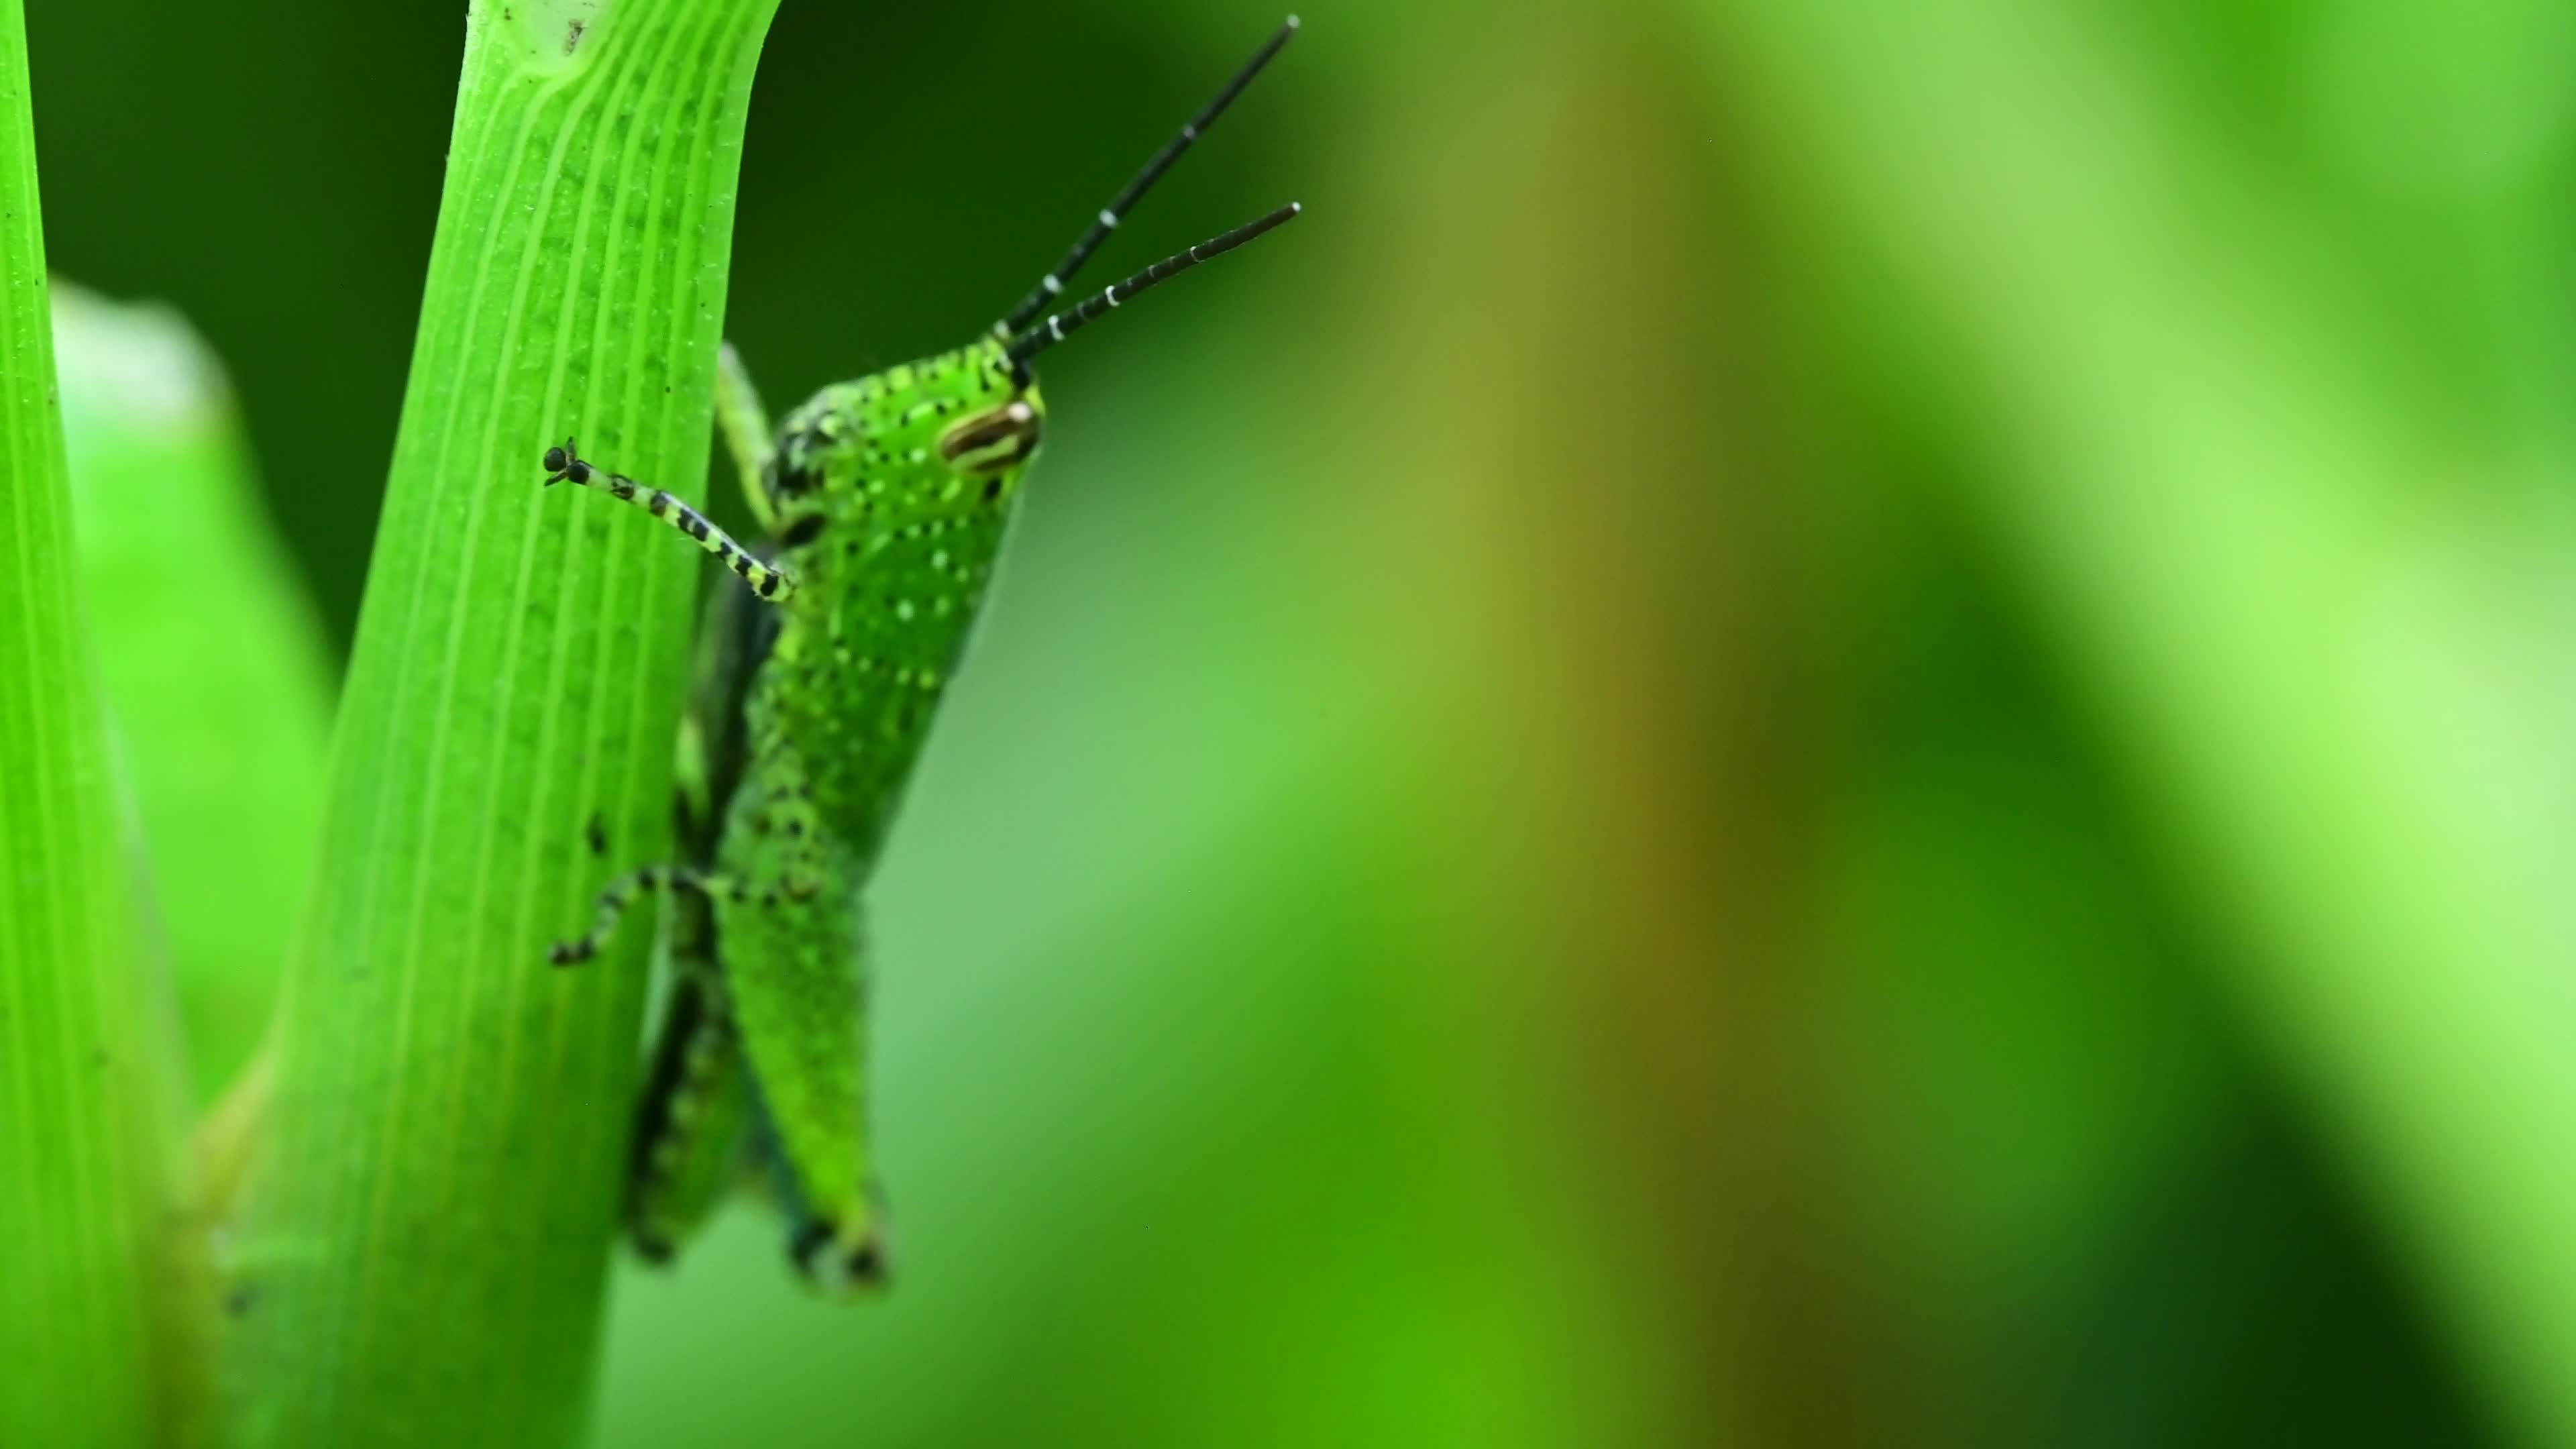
[2314, 597]
[96, 1298]
[423, 1251]
[216, 682]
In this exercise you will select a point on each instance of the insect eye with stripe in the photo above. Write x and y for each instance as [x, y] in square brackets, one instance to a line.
[879, 501]
[994, 440]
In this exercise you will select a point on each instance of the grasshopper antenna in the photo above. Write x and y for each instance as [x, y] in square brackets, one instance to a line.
[1055, 329]
[1051, 286]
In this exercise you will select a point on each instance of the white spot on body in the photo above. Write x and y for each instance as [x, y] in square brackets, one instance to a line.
[1108, 218]
[1054, 287]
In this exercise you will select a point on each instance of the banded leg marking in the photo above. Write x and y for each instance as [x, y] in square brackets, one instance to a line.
[622, 893]
[565, 465]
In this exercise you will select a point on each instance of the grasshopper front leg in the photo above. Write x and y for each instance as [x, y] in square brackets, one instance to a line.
[566, 465]
[747, 435]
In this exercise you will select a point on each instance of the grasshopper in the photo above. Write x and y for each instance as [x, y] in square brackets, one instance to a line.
[886, 502]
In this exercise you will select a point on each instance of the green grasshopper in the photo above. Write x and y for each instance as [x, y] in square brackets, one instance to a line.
[886, 502]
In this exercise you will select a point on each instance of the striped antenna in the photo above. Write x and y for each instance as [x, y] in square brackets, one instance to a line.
[1055, 329]
[1051, 286]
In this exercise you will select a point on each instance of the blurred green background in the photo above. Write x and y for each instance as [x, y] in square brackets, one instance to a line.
[1816, 724]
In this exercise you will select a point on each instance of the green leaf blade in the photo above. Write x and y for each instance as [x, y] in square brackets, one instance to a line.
[434, 1208]
[93, 1289]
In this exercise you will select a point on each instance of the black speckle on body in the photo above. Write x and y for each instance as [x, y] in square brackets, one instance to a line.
[803, 531]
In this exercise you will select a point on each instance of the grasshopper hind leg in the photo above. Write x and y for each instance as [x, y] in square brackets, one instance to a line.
[693, 1119]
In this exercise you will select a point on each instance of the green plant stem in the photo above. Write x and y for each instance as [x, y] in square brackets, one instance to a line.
[92, 1299]
[424, 1243]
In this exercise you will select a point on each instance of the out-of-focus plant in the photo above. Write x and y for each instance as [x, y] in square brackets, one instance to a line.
[217, 687]
[2260, 457]
[98, 1297]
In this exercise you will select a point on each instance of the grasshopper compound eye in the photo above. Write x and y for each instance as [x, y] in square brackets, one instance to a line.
[992, 441]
